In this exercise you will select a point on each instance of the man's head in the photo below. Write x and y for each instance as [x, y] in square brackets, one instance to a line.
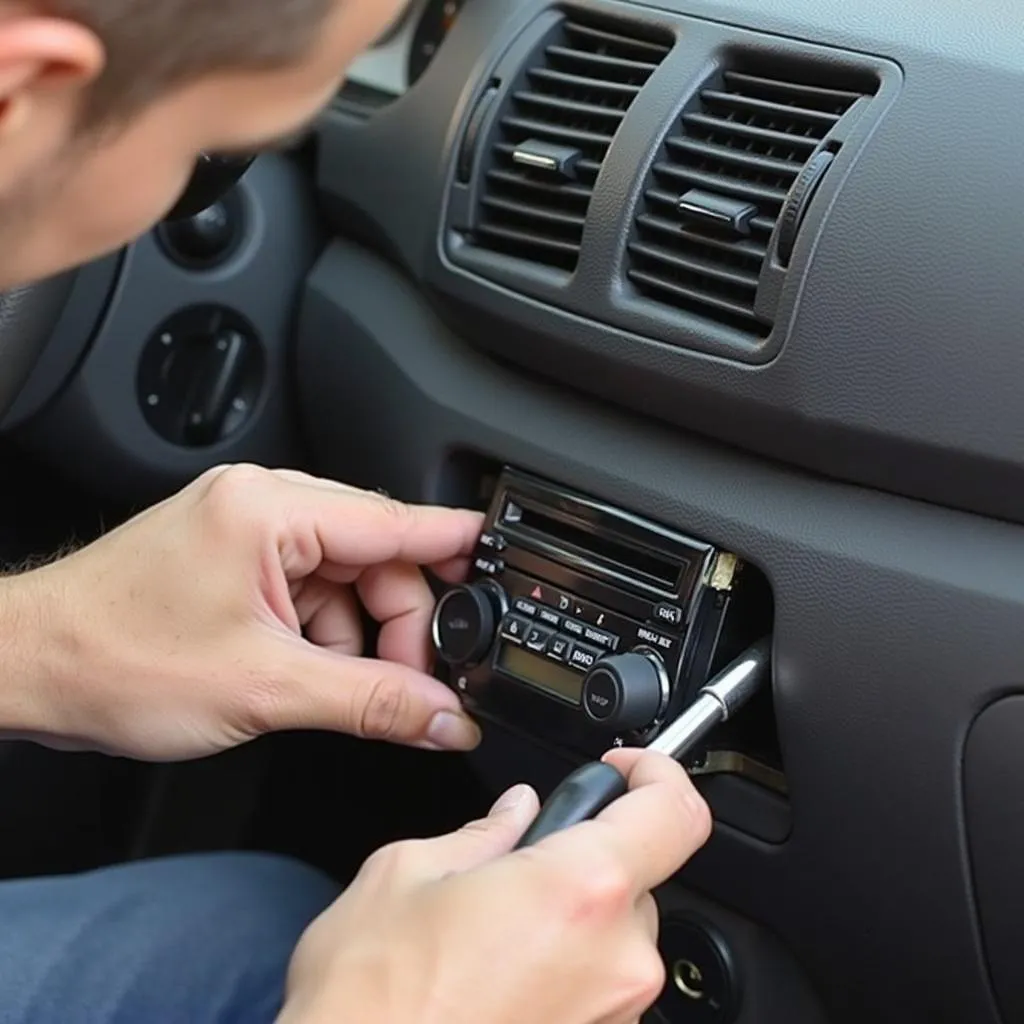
[105, 105]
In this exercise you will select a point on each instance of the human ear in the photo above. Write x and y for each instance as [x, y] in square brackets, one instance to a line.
[46, 64]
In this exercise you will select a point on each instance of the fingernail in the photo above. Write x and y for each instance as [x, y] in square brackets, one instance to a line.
[510, 800]
[449, 731]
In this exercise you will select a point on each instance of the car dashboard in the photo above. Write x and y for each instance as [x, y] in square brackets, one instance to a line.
[745, 270]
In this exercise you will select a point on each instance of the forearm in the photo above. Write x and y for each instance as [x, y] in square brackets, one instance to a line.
[32, 651]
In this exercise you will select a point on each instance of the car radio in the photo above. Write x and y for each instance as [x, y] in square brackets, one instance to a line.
[582, 625]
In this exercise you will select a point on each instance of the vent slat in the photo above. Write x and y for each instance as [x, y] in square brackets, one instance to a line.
[529, 211]
[721, 183]
[730, 155]
[812, 94]
[694, 295]
[524, 183]
[600, 37]
[569, 108]
[565, 80]
[777, 111]
[673, 230]
[722, 126]
[764, 224]
[692, 265]
[573, 96]
[528, 238]
[747, 137]
[601, 65]
[528, 127]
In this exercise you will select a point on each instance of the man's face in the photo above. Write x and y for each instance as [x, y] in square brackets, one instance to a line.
[64, 202]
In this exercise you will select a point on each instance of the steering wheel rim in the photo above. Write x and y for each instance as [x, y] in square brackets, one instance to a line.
[212, 177]
[28, 316]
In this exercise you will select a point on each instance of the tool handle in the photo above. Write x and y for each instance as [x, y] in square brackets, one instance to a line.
[580, 797]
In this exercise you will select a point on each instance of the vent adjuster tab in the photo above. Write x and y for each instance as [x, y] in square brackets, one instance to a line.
[558, 161]
[717, 213]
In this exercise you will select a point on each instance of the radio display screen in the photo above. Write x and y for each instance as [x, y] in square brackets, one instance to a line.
[543, 673]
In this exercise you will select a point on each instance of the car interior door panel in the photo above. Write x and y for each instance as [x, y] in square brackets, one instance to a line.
[713, 307]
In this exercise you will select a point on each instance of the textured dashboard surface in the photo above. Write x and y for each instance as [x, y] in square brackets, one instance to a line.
[902, 367]
[896, 622]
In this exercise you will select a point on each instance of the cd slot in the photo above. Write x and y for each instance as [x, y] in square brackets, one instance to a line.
[529, 521]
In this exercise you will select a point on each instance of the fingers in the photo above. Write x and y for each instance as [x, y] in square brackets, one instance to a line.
[647, 911]
[296, 476]
[482, 841]
[329, 615]
[413, 863]
[659, 824]
[313, 688]
[370, 529]
[358, 528]
[398, 597]
[317, 521]
[452, 570]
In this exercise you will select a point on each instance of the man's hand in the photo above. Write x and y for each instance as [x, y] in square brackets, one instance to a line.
[457, 930]
[234, 609]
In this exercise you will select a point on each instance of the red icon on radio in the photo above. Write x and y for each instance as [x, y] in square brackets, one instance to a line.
[537, 594]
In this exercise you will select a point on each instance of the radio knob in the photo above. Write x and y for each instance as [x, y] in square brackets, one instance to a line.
[624, 692]
[466, 622]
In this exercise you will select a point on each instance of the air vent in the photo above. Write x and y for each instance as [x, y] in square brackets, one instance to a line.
[555, 129]
[718, 188]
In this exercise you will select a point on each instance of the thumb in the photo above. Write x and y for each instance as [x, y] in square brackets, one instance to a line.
[484, 840]
[366, 697]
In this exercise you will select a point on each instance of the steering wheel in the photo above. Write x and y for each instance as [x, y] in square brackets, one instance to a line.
[29, 314]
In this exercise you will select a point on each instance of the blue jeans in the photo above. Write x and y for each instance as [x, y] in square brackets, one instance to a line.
[188, 940]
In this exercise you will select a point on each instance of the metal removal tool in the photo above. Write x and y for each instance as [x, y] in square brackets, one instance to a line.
[588, 790]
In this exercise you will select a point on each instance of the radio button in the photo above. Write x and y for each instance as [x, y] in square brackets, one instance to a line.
[600, 638]
[525, 607]
[537, 638]
[668, 614]
[558, 648]
[489, 566]
[492, 541]
[514, 629]
[583, 658]
[575, 628]
[661, 642]
[550, 617]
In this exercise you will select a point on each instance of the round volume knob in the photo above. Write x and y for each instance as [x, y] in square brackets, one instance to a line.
[625, 691]
[465, 623]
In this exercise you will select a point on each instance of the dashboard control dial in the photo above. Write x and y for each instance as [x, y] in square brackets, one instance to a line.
[201, 375]
[625, 691]
[466, 622]
[207, 238]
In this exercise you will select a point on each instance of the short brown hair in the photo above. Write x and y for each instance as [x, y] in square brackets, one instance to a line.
[155, 45]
